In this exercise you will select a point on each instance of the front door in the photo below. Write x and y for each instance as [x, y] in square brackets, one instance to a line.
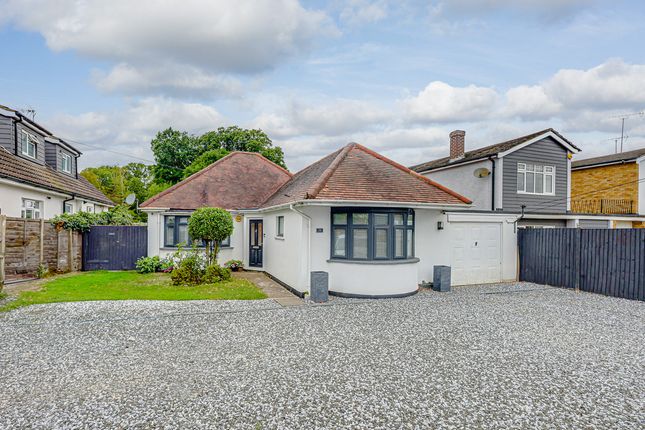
[255, 243]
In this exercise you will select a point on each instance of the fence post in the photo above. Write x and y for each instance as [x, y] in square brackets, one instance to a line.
[3, 247]
[42, 241]
[70, 237]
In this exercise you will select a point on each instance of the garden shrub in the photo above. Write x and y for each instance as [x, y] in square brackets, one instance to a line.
[216, 273]
[148, 264]
[212, 225]
[189, 268]
[83, 221]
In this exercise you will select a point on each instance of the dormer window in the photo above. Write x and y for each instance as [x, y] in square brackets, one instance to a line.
[66, 163]
[28, 144]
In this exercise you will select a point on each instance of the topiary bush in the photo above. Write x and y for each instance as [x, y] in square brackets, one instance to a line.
[212, 225]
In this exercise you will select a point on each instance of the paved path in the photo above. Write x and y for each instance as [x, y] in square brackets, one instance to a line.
[272, 289]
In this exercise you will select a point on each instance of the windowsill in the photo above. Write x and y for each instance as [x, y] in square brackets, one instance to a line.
[537, 194]
[279, 237]
[377, 262]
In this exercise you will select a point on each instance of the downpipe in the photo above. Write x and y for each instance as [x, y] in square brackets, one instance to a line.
[308, 260]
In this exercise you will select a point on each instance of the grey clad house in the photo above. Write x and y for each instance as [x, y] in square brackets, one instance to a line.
[528, 177]
[39, 175]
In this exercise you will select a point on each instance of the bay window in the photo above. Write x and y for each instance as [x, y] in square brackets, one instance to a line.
[372, 234]
[535, 179]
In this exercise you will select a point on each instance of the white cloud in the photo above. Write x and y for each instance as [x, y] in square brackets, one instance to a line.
[213, 37]
[530, 102]
[356, 12]
[441, 102]
[126, 133]
[171, 79]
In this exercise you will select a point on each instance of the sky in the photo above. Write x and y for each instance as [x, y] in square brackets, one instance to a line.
[396, 76]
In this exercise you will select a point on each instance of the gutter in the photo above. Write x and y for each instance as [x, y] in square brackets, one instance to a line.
[308, 260]
[492, 203]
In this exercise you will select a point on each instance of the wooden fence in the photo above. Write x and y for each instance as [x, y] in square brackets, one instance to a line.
[26, 244]
[604, 261]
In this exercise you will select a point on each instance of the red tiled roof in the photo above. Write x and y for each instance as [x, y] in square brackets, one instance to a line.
[17, 169]
[356, 173]
[240, 180]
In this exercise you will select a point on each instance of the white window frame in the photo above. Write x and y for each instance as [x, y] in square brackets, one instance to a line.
[547, 171]
[279, 226]
[66, 163]
[35, 208]
[29, 141]
[70, 206]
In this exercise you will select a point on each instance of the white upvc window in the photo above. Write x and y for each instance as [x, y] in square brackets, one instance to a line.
[66, 163]
[31, 209]
[28, 144]
[535, 179]
[279, 226]
[69, 208]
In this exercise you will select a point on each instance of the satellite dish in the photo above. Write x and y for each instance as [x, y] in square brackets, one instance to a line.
[482, 172]
[130, 198]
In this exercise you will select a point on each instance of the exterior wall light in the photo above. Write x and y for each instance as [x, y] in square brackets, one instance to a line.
[439, 225]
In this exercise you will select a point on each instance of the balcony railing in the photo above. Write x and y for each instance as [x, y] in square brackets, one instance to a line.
[603, 206]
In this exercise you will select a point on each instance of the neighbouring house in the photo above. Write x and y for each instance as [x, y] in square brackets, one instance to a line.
[39, 172]
[611, 184]
[529, 176]
[376, 227]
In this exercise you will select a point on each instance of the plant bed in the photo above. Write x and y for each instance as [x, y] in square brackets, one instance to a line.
[127, 285]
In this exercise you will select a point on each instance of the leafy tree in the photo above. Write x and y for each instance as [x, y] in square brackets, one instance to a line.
[212, 225]
[235, 138]
[173, 151]
[206, 159]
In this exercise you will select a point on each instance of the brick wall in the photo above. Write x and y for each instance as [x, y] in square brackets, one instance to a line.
[584, 183]
[24, 248]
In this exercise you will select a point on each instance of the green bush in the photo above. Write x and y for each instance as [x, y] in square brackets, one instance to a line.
[216, 273]
[83, 221]
[148, 264]
[189, 268]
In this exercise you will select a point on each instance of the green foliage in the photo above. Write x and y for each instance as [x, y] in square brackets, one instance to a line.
[42, 271]
[83, 221]
[216, 273]
[148, 264]
[173, 151]
[212, 225]
[204, 160]
[190, 268]
[234, 265]
[179, 154]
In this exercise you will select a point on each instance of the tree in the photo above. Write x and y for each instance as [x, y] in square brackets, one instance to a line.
[235, 138]
[212, 225]
[173, 151]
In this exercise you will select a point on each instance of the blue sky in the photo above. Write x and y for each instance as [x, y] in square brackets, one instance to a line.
[397, 76]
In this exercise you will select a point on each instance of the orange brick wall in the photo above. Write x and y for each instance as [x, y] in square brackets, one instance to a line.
[584, 182]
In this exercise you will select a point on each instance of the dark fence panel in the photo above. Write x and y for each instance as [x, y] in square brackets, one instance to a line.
[113, 247]
[603, 261]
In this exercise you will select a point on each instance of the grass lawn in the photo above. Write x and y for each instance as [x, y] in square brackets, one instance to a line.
[102, 285]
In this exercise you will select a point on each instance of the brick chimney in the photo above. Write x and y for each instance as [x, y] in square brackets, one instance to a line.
[457, 143]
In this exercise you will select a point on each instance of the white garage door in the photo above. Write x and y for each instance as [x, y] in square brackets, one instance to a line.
[476, 253]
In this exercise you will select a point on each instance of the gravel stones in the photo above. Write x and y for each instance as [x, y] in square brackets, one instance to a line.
[502, 356]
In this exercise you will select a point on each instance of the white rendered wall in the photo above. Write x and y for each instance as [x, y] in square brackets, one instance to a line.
[52, 203]
[462, 180]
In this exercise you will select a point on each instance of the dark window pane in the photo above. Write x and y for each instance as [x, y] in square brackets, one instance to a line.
[339, 242]
[360, 243]
[410, 243]
[340, 219]
[182, 234]
[398, 219]
[398, 242]
[170, 231]
[380, 243]
[410, 219]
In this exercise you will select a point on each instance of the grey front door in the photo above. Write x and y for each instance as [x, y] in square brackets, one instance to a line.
[255, 242]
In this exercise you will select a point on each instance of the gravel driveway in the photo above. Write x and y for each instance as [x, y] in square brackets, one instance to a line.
[514, 356]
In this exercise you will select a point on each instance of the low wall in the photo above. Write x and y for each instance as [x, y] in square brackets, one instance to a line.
[26, 244]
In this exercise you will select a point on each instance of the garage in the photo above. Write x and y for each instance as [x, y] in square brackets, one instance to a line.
[476, 252]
